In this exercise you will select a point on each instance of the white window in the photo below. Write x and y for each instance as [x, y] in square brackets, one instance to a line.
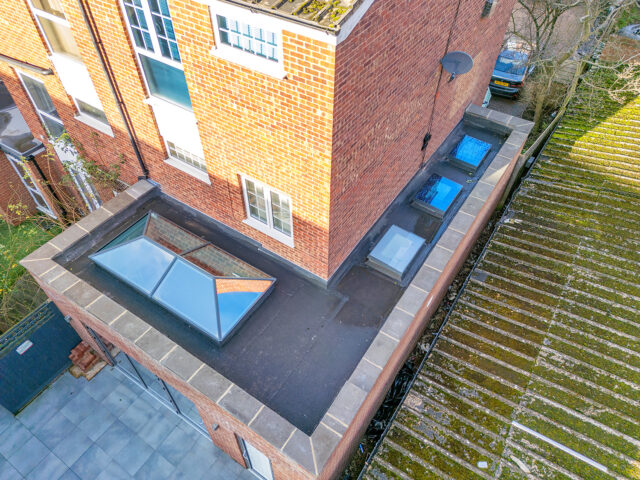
[55, 128]
[55, 27]
[268, 210]
[184, 156]
[187, 161]
[66, 58]
[249, 39]
[154, 42]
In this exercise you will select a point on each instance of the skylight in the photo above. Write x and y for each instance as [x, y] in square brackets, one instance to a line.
[202, 284]
[469, 153]
[436, 195]
[395, 252]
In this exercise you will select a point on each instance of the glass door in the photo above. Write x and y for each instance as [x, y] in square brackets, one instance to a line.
[20, 168]
[257, 461]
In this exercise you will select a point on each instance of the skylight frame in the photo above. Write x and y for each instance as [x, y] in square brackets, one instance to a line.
[181, 256]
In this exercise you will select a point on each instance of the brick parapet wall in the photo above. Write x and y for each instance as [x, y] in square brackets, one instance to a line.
[386, 76]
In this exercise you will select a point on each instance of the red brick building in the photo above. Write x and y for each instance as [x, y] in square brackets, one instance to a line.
[280, 131]
[331, 118]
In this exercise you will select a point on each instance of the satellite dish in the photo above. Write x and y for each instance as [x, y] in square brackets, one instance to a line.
[457, 63]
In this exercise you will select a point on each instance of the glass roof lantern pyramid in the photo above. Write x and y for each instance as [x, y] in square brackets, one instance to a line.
[204, 285]
[469, 153]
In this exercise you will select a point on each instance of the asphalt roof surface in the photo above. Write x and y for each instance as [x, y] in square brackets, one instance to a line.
[537, 372]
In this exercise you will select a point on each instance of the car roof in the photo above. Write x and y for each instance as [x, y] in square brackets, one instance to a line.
[514, 55]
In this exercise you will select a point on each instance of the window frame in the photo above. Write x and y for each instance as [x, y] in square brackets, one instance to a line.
[156, 54]
[37, 13]
[267, 228]
[201, 175]
[242, 57]
[39, 112]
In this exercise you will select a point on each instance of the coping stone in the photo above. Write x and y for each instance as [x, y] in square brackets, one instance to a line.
[82, 293]
[472, 206]
[450, 239]
[498, 117]
[68, 237]
[397, 322]
[461, 222]
[482, 191]
[119, 203]
[426, 278]
[380, 350]
[517, 138]
[155, 344]
[130, 326]
[39, 267]
[501, 161]
[438, 257]
[105, 309]
[477, 110]
[334, 424]
[508, 150]
[365, 375]
[94, 219]
[520, 124]
[492, 176]
[45, 251]
[411, 300]
[298, 448]
[210, 383]
[63, 282]
[182, 363]
[347, 403]
[240, 404]
[324, 442]
[51, 275]
[140, 188]
[272, 427]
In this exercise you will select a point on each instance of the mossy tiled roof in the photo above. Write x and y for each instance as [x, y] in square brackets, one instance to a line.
[544, 342]
[326, 14]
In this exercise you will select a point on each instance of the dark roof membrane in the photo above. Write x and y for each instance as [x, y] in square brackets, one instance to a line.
[195, 280]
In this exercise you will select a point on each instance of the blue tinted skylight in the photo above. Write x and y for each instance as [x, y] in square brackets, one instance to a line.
[471, 151]
[437, 194]
[202, 284]
[395, 251]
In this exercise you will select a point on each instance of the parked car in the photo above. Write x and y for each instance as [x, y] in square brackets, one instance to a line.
[509, 73]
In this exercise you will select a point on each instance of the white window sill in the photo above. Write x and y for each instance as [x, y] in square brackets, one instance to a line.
[186, 168]
[258, 225]
[233, 55]
[162, 103]
[96, 124]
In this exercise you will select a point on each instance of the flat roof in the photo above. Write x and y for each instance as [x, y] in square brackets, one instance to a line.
[537, 372]
[324, 14]
[296, 351]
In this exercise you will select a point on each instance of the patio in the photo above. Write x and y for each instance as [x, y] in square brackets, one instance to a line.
[108, 428]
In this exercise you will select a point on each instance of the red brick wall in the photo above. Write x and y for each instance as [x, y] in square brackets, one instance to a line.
[341, 160]
[386, 75]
